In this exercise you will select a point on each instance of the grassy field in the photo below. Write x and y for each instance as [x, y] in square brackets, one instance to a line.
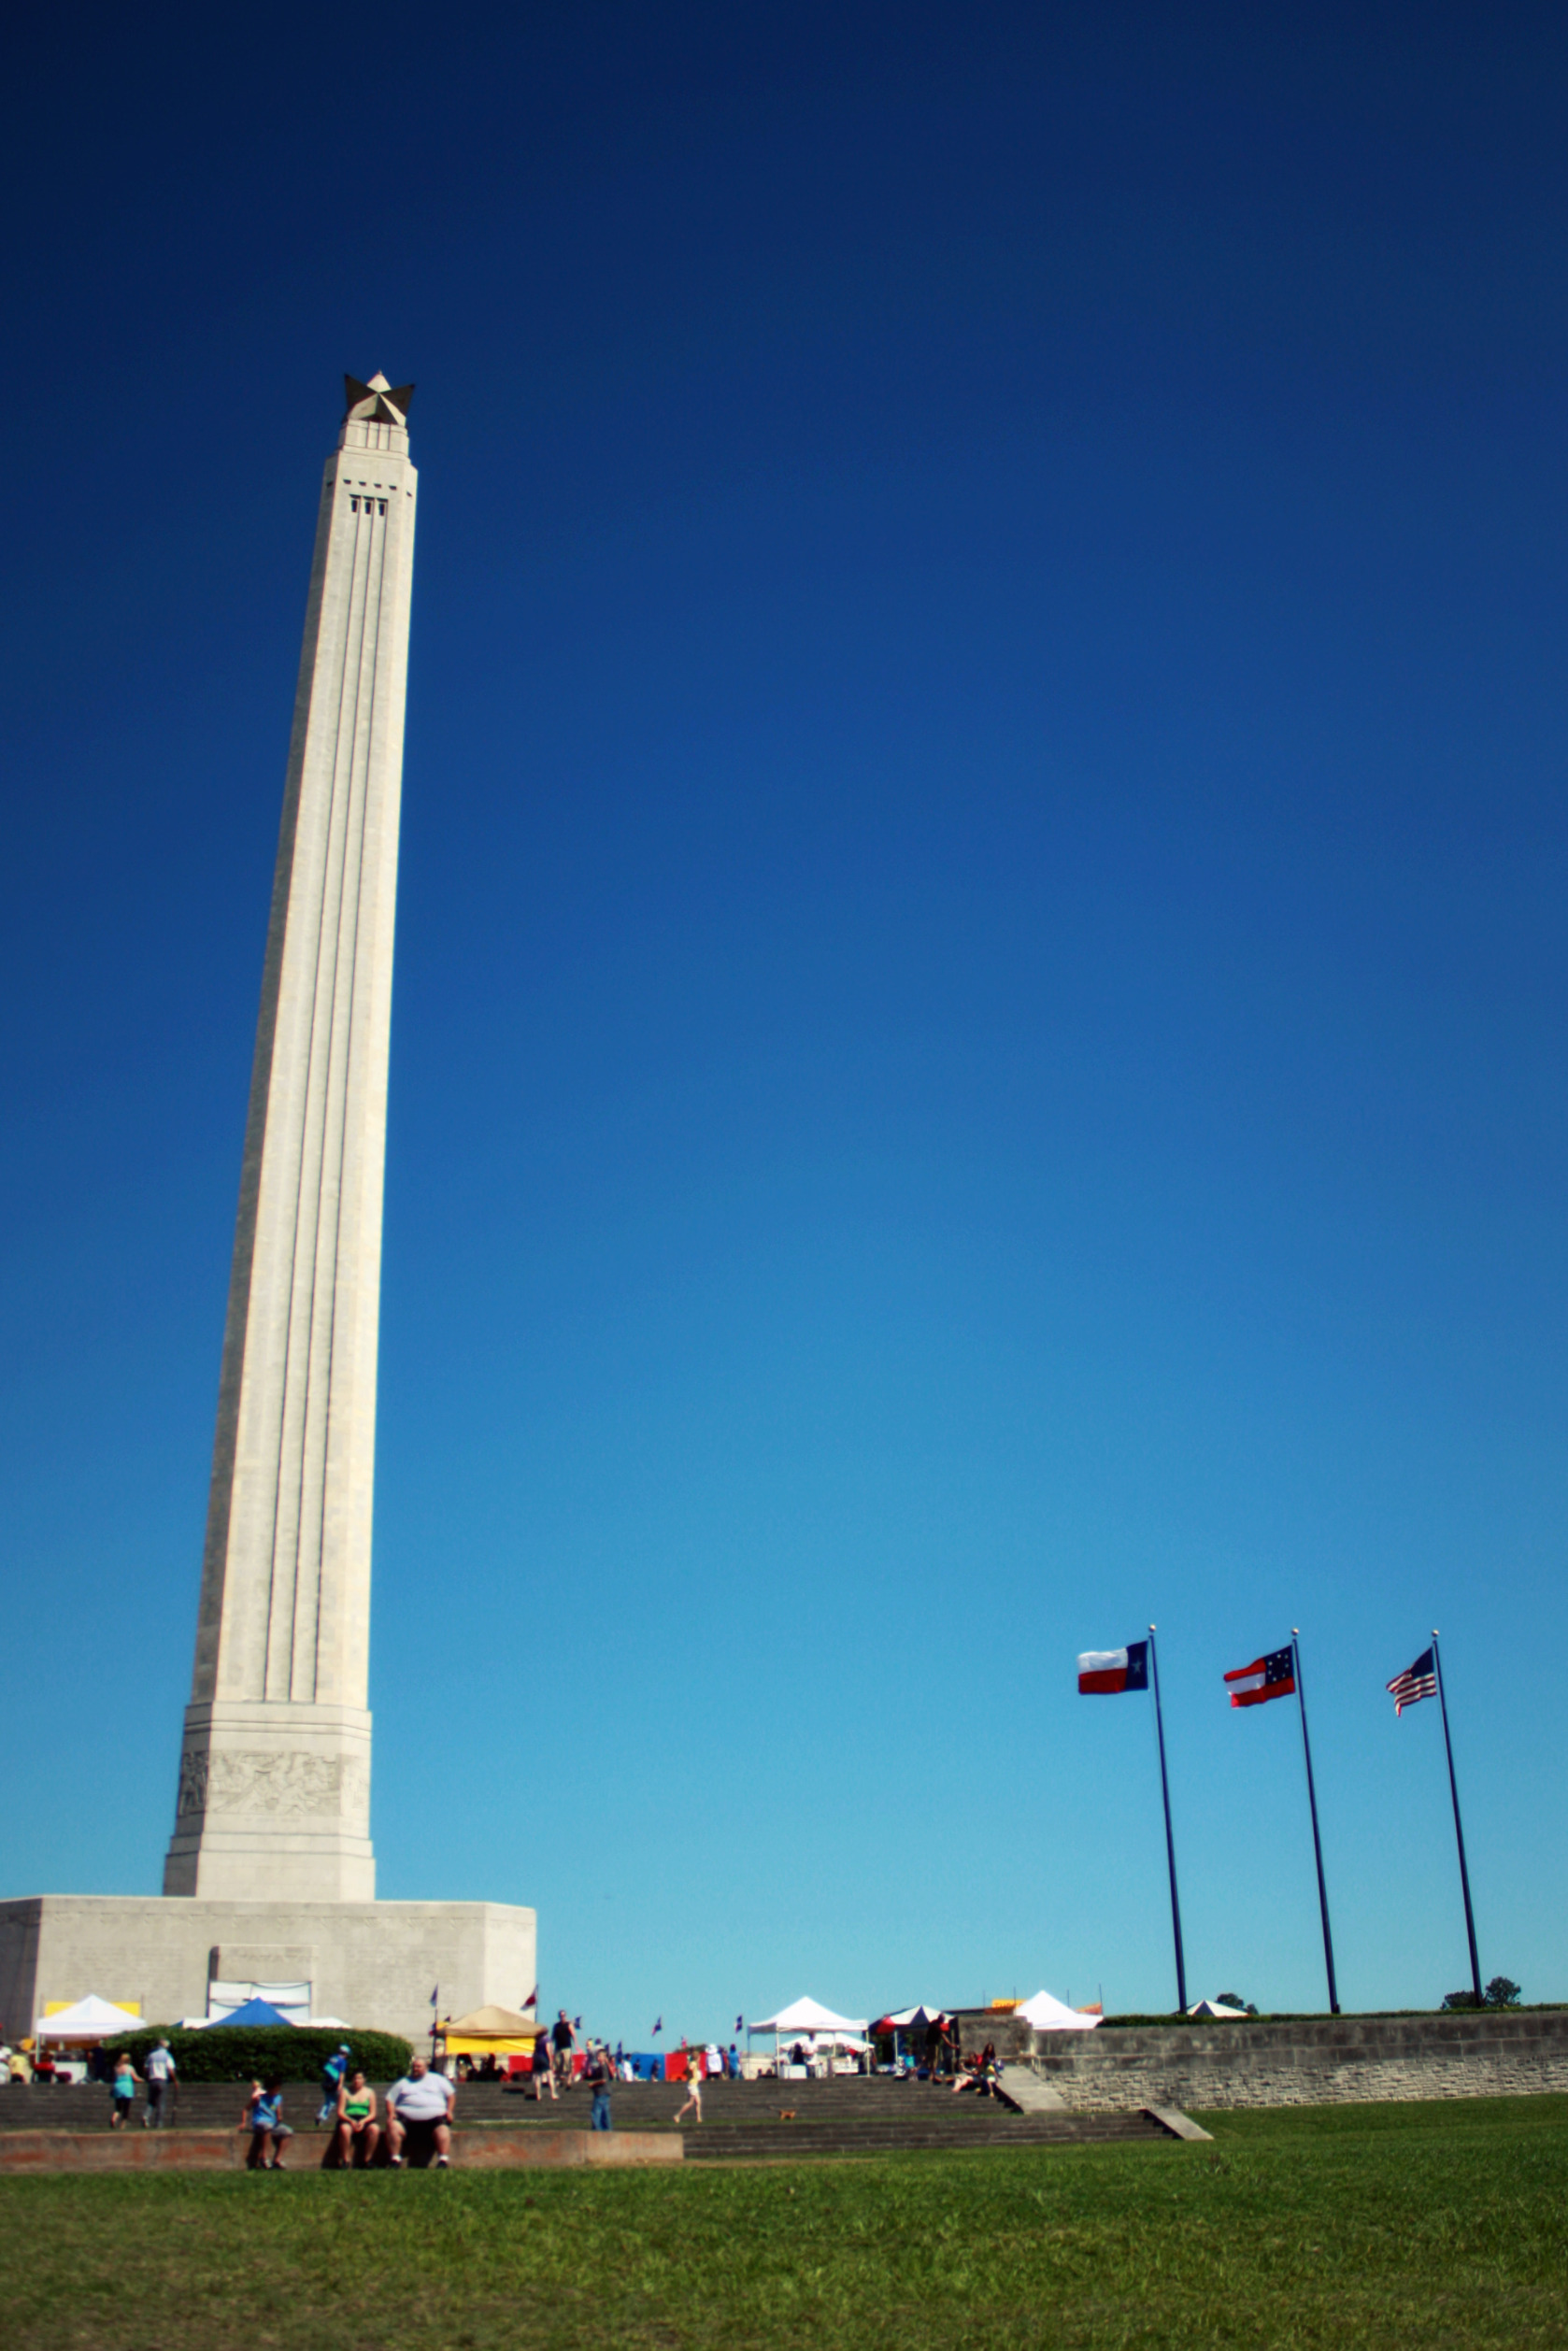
[1424, 2224]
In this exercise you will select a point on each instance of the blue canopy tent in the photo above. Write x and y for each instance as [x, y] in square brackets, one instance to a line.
[255, 2012]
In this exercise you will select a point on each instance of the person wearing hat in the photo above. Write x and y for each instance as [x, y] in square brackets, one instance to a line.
[333, 2075]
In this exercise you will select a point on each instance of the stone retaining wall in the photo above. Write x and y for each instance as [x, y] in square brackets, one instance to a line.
[482, 2149]
[1321, 2062]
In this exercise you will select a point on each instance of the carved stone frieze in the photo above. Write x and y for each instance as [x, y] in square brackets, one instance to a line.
[267, 1780]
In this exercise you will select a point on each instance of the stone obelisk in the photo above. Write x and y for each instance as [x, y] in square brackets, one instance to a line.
[270, 1881]
[275, 1774]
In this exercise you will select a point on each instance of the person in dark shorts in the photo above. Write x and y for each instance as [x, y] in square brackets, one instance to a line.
[561, 2034]
[419, 2114]
[124, 2085]
[161, 2079]
[544, 2072]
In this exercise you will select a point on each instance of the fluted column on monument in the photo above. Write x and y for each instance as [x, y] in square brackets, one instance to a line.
[274, 1797]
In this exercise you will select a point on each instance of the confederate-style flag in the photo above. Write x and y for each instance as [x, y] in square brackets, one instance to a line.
[1271, 1676]
[1102, 1673]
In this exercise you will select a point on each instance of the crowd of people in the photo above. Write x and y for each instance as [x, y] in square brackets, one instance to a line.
[416, 2115]
[413, 2119]
[553, 2067]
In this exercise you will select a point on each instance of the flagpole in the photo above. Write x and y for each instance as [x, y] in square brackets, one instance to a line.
[1316, 1841]
[1170, 1841]
[1458, 1827]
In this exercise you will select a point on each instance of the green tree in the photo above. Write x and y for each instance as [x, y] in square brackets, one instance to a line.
[1503, 1992]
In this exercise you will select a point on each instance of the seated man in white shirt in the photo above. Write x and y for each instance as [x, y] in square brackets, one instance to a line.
[420, 2112]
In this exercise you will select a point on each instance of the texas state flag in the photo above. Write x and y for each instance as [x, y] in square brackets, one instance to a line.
[1102, 1673]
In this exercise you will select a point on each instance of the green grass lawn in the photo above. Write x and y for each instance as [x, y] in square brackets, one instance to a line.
[1443, 2224]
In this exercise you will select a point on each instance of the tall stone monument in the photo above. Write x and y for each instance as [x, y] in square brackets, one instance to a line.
[270, 1873]
[275, 1778]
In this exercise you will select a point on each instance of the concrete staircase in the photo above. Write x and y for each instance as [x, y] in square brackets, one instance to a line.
[742, 2121]
[745, 2122]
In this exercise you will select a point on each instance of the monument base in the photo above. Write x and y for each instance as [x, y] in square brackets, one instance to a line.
[374, 1964]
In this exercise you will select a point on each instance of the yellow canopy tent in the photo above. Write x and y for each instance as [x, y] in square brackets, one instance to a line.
[491, 2032]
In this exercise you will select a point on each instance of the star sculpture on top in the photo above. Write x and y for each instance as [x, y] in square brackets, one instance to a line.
[377, 402]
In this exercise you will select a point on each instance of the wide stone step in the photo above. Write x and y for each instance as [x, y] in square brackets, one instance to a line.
[207, 2105]
[741, 2121]
[816, 2141]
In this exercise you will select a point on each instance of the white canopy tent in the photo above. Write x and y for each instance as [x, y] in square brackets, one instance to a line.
[89, 2019]
[1045, 2014]
[808, 2020]
[1215, 2008]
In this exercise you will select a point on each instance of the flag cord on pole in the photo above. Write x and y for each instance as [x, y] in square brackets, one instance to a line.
[1170, 1840]
[1458, 1828]
[1316, 1841]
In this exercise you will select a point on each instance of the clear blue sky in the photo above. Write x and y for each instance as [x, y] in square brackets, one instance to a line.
[978, 1039]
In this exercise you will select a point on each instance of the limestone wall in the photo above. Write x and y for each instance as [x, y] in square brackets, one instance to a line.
[375, 1964]
[1321, 2062]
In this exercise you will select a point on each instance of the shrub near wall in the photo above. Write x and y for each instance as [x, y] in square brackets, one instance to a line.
[289, 2053]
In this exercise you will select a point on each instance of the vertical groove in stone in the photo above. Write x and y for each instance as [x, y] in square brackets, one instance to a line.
[307, 1654]
[316, 941]
[312, 1528]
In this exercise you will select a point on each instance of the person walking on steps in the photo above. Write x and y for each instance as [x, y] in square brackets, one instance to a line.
[162, 2085]
[693, 2085]
[126, 2078]
[561, 2034]
[544, 2072]
[598, 2073]
[335, 2073]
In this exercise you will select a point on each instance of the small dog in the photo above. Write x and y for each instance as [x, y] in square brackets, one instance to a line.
[786, 2114]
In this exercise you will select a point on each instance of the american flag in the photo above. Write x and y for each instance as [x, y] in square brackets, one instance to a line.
[1417, 1681]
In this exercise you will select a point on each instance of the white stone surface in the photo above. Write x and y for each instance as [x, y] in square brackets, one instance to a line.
[270, 1875]
[375, 1964]
[274, 1798]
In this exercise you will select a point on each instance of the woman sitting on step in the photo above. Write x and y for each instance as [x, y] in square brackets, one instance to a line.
[357, 2133]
